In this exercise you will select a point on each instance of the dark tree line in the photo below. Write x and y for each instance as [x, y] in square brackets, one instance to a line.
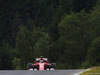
[65, 31]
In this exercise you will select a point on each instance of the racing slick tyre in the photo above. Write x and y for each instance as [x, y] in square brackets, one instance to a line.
[29, 65]
[53, 65]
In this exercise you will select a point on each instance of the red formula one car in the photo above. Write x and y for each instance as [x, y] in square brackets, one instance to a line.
[41, 64]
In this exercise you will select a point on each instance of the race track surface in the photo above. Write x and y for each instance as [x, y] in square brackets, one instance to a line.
[26, 72]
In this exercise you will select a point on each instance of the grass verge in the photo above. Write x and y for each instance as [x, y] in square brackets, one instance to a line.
[93, 71]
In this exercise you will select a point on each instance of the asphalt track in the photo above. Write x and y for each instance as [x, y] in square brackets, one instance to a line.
[54, 72]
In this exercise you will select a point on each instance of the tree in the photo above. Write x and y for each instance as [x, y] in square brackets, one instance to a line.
[94, 23]
[98, 3]
[94, 34]
[41, 47]
[16, 63]
[73, 33]
[24, 45]
[78, 5]
[94, 53]
[5, 56]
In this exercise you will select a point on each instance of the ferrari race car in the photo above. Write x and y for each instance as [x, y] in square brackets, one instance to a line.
[41, 64]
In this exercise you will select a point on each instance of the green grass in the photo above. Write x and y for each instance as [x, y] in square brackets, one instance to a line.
[93, 71]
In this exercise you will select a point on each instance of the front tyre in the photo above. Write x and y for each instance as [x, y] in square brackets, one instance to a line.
[29, 66]
[53, 65]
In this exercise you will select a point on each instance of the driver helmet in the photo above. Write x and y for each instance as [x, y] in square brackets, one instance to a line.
[41, 61]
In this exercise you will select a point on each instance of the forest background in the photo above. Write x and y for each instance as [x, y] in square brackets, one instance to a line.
[65, 31]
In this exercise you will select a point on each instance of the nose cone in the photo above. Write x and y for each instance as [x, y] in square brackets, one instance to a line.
[41, 66]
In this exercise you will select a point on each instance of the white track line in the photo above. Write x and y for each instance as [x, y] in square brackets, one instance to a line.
[82, 72]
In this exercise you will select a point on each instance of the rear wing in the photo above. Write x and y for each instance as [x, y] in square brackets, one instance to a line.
[45, 59]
